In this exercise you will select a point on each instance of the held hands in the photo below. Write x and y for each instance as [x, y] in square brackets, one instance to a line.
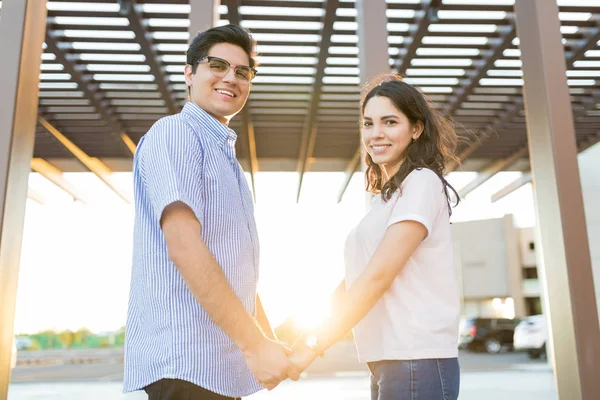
[302, 355]
[269, 363]
[272, 362]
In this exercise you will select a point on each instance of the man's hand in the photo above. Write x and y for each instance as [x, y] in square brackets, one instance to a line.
[302, 356]
[269, 363]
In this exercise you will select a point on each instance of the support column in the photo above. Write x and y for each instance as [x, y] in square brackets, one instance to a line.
[373, 56]
[204, 15]
[565, 255]
[22, 32]
[373, 53]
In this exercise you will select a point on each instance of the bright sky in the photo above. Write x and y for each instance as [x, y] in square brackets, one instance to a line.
[76, 258]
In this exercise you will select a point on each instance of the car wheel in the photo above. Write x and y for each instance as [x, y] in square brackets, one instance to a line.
[493, 346]
[534, 354]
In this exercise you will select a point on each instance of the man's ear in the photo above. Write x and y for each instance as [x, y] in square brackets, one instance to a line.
[187, 72]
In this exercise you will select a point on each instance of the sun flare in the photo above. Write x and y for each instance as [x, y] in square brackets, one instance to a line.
[311, 315]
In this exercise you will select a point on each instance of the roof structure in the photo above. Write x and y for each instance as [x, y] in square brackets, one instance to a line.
[111, 68]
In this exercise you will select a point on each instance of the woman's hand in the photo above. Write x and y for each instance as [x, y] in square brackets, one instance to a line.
[302, 355]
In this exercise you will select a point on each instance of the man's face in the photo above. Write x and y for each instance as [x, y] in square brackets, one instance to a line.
[222, 97]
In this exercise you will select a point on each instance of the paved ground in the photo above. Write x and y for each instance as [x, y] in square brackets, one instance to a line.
[106, 364]
[499, 385]
[337, 376]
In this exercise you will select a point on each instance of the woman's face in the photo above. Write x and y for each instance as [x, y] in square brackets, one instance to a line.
[387, 133]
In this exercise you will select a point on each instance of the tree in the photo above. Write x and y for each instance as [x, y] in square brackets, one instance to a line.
[66, 338]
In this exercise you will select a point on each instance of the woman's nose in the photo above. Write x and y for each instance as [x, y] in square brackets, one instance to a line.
[377, 131]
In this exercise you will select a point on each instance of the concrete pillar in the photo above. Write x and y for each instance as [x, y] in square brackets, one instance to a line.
[373, 55]
[204, 15]
[22, 32]
[566, 267]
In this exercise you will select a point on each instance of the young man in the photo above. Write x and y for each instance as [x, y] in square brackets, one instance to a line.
[196, 328]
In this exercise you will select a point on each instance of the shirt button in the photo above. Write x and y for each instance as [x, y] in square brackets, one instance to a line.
[231, 162]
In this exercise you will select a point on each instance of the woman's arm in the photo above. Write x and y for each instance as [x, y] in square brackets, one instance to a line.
[398, 244]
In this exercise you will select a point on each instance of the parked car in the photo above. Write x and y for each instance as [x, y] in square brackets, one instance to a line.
[486, 334]
[23, 342]
[531, 335]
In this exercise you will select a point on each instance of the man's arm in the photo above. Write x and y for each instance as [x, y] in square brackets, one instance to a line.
[204, 276]
[205, 279]
[263, 321]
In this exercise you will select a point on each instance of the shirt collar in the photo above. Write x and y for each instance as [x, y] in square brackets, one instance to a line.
[216, 130]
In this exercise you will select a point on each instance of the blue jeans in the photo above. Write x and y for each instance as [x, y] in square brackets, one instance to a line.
[435, 379]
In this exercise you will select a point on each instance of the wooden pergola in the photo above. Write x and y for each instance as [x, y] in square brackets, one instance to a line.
[111, 68]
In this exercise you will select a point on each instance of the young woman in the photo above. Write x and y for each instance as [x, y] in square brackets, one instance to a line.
[402, 294]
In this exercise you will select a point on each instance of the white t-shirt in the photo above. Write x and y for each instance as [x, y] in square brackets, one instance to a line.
[418, 316]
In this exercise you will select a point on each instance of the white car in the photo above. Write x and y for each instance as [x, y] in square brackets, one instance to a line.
[531, 335]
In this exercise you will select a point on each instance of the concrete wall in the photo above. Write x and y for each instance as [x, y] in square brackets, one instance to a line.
[589, 169]
[490, 254]
[489, 264]
[481, 257]
[527, 255]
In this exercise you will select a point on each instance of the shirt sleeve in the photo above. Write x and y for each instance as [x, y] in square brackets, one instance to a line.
[421, 198]
[171, 159]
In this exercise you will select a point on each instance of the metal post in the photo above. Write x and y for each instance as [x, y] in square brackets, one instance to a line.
[566, 266]
[22, 31]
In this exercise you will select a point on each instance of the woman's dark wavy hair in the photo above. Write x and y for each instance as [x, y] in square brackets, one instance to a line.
[434, 149]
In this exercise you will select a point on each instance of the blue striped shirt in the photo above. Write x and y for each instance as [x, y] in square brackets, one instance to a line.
[189, 157]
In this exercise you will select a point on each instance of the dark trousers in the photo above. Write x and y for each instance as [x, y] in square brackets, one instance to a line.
[175, 389]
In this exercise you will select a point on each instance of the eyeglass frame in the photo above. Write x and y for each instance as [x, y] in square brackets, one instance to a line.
[209, 58]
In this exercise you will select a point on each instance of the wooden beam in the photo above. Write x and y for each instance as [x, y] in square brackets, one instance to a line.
[482, 70]
[129, 143]
[429, 9]
[509, 113]
[249, 142]
[491, 170]
[511, 187]
[527, 177]
[55, 176]
[129, 9]
[247, 123]
[349, 173]
[513, 109]
[90, 92]
[309, 133]
[36, 196]
[93, 164]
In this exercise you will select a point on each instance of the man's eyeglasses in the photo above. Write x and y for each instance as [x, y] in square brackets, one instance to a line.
[220, 68]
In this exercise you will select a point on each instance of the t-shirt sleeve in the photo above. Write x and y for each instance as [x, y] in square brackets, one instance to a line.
[171, 159]
[421, 199]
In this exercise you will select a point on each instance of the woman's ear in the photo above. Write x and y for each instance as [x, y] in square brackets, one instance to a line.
[417, 130]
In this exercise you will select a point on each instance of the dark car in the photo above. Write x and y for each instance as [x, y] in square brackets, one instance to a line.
[487, 334]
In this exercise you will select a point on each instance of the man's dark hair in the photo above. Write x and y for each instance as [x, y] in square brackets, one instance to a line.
[232, 34]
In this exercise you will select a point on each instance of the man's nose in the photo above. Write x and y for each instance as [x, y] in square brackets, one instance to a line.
[230, 76]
